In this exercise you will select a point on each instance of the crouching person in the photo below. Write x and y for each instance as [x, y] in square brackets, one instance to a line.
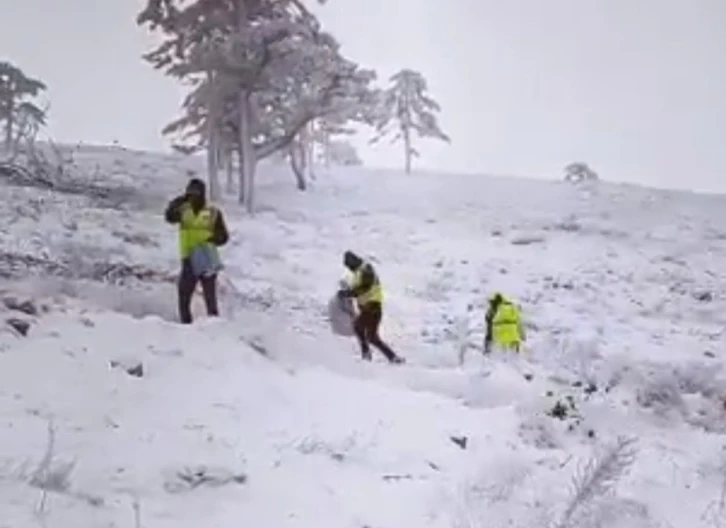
[202, 230]
[504, 328]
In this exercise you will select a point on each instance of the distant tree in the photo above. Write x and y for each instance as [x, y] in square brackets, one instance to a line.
[406, 108]
[324, 132]
[342, 152]
[22, 118]
[580, 172]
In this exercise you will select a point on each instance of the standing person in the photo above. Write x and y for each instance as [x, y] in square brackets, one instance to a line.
[201, 230]
[367, 290]
[503, 325]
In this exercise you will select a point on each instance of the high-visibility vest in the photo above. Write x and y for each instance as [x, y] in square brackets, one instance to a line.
[506, 325]
[195, 229]
[374, 294]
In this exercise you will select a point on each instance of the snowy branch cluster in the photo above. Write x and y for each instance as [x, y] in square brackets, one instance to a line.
[266, 79]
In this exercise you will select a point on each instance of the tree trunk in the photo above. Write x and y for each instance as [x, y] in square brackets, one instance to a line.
[308, 150]
[325, 143]
[212, 143]
[297, 164]
[248, 159]
[9, 122]
[248, 162]
[241, 187]
[407, 149]
[229, 167]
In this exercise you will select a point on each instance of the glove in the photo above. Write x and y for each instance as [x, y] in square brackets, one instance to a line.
[344, 294]
[177, 202]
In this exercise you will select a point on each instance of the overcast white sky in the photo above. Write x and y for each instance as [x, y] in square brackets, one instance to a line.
[636, 88]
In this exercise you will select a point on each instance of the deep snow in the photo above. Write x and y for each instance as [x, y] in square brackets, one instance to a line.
[622, 287]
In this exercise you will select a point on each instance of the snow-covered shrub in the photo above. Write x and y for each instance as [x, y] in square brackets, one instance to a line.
[540, 432]
[462, 333]
[439, 286]
[595, 482]
[343, 153]
[140, 239]
[694, 390]
[484, 498]
[707, 414]
[699, 378]
[575, 358]
[715, 513]
[571, 224]
[191, 478]
[579, 172]
[660, 392]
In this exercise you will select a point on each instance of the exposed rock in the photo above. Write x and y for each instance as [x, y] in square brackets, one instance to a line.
[19, 325]
[704, 296]
[461, 441]
[132, 367]
[27, 306]
[527, 240]
[191, 478]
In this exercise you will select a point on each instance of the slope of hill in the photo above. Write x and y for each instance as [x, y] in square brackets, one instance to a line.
[265, 417]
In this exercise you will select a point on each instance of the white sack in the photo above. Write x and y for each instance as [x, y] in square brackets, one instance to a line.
[341, 315]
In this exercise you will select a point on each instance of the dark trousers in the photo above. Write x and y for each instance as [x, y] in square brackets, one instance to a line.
[367, 326]
[185, 289]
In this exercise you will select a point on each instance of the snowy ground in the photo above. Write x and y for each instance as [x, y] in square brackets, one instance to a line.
[623, 289]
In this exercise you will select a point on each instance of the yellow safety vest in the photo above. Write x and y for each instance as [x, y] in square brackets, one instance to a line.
[374, 294]
[195, 229]
[506, 325]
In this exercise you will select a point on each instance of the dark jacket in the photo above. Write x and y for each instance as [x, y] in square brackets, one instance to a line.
[489, 319]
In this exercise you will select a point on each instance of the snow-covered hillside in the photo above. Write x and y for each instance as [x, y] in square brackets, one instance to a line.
[264, 418]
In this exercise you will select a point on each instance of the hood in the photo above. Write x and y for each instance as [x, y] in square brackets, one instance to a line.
[197, 193]
[351, 260]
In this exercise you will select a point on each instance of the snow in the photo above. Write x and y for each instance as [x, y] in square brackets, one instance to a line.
[612, 279]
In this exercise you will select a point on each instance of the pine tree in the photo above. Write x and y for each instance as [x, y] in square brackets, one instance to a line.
[406, 108]
[19, 114]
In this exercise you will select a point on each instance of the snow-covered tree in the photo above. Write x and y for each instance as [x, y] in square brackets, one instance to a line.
[342, 152]
[361, 109]
[323, 133]
[273, 68]
[580, 172]
[21, 117]
[405, 108]
[325, 86]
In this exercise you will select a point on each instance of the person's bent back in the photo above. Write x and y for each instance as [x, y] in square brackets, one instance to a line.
[504, 328]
